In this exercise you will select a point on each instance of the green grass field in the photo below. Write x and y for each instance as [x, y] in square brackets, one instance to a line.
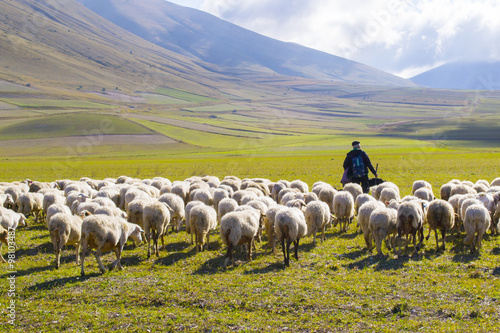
[335, 286]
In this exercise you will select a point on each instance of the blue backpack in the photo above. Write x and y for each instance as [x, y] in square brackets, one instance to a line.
[358, 166]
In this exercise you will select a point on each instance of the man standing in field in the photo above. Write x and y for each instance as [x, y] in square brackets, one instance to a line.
[357, 164]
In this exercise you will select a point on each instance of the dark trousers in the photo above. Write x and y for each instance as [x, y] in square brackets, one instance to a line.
[364, 181]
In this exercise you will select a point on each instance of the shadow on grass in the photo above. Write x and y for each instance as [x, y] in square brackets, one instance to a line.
[42, 248]
[173, 257]
[37, 227]
[278, 266]
[30, 271]
[495, 251]
[381, 262]
[212, 266]
[48, 285]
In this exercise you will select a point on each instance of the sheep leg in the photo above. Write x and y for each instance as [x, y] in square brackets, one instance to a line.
[251, 244]
[284, 250]
[98, 258]
[429, 234]
[368, 240]
[436, 234]
[59, 248]
[229, 255]
[314, 237]
[82, 256]
[77, 248]
[322, 233]
[288, 243]
[148, 238]
[118, 252]
[296, 248]
[208, 240]
[443, 233]
[155, 242]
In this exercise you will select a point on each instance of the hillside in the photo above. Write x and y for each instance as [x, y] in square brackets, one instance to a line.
[205, 37]
[63, 44]
[462, 75]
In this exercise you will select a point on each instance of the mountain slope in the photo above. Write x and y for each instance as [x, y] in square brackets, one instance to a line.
[204, 36]
[63, 44]
[462, 75]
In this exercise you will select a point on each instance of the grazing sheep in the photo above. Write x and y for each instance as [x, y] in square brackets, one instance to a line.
[269, 222]
[4, 239]
[155, 219]
[440, 216]
[218, 195]
[343, 209]
[300, 185]
[277, 187]
[15, 191]
[364, 219]
[462, 189]
[28, 203]
[377, 190]
[10, 219]
[135, 210]
[107, 233]
[417, 184]
[232, 181]
[55, 209]
[361, 200]
[238, 228]
[387, 194]
[495, 221]
[176, 204]
[187, 210]
[111, 211]
[181, 189]
[382, 224]
[203, 195]
[225, 206]
[309, 197]
[112, 193]
[354, 189]
[6, 200]
[445, 191]
[476, 222]
[65, 230]
[202, 219]
[424, 193]
[326, 194]
[410, 221]
[317, 215]
[290, 196]
[290, 226]
[495, 182]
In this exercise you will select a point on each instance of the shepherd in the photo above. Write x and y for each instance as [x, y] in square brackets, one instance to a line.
[356, 165]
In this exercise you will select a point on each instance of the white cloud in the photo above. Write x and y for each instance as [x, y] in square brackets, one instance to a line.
[398, 36]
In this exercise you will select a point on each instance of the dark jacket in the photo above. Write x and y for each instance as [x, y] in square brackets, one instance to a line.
[366, 161]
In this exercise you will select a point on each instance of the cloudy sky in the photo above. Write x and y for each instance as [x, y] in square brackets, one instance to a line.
[402, 37]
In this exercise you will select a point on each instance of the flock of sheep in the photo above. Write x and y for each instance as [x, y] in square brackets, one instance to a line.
[103, 214]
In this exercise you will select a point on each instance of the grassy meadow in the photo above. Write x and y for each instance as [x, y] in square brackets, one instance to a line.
[335, 286]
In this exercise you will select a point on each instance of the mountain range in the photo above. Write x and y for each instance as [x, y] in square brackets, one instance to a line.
[478, 75]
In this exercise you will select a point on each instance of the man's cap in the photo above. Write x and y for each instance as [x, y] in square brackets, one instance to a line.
[355, 143]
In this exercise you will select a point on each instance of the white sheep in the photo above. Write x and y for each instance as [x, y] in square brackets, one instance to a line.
[317, 215]
[440, 216]
[55, 209]
[6, 200]
[378, 189]
[4, 239]
[203, 219]
[203, 195]
[176, 204]
[387, 194]
[10, 219]
[300, 185]
[155, 219]
[107, 233]
[495, 182]
[424, 193]
[187, 210]
[343, 209]
[218, 195]
[111, 211]
[410, 221]
[326, 194]
[225, 206]
[445, 191]
[364, 219]
[30, 203]
[383, 223]
[476, 222]
[354, 189]
[238, 228]
[290, 226]
[462, 189]
[495, 221]
[420, 184]
[269, 222]
[362, 199]
[135, 210]
[65, 230]
[277, 187]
